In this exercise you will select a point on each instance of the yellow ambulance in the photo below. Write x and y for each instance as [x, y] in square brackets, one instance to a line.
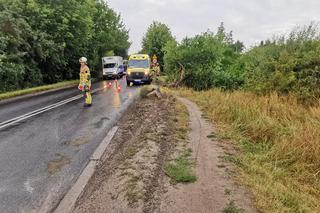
[139, 68]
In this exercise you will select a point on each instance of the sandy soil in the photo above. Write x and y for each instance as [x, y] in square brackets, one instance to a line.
[131, 177]
[214, 188]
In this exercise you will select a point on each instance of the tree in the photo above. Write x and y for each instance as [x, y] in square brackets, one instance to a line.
[208, 60]
[155, 39]
[238, 46]
[42, 40]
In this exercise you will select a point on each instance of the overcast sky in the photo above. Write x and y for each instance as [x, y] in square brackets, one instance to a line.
[250, 20]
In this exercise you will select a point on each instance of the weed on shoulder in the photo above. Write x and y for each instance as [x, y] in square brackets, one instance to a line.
[232, 208]
[234, 159]
[227, 191]
[181, 169]
[212, 135]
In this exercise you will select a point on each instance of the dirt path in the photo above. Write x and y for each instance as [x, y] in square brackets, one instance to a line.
[131, 176]
[214, 189]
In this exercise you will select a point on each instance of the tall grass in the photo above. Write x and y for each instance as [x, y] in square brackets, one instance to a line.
[280, 145]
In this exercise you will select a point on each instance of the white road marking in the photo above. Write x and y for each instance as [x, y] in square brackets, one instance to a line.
[28, 187]
[41, 110]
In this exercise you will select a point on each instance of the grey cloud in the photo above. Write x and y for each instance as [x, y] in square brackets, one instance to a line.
[250, 20]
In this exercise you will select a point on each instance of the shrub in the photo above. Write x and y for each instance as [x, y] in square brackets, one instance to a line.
[286, 65]
[209, 60]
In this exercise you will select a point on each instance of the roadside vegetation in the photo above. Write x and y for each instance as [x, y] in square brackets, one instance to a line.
[266, 101]
[279, 143]
[181, 166]
[205, 61]
[287, 65]
[232, 208]
[155, 39]
[12, 94]
[181, 170]
[41, 41]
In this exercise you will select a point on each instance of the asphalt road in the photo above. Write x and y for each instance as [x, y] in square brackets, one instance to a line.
[42, 156]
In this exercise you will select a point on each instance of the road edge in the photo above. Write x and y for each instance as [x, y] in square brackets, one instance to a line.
[35, 94]
[39, 93]
[68, 202]
[67, 206]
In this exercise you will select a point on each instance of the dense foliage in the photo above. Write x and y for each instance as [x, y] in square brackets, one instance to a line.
[155, 39]
[289, 64]
[42, 40]
[286, 65]
[209, 60]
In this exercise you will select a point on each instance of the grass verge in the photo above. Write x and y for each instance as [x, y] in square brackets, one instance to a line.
[279, 141]
[16, 93]
[181, 169]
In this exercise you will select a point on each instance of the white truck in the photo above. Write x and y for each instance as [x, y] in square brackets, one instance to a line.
[112, 67]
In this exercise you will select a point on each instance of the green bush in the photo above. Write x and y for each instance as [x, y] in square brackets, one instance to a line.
[289, 64]
[209, 60]
[286, 65]
[11, 76]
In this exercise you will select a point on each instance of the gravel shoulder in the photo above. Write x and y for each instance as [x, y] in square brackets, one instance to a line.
[131, 176]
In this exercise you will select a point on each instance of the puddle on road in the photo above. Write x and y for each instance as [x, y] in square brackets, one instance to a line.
[79, 141]
[116, 101]
[101, 122]
[55, 165]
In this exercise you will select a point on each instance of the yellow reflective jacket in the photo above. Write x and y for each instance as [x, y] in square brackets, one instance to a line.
[85, 77]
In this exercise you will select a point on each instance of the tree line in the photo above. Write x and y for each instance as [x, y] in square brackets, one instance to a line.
[287, 64]
[42, 40]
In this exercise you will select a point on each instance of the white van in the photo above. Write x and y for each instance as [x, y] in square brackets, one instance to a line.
[112, 67]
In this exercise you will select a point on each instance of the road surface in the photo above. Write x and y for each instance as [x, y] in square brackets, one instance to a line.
[42, 153]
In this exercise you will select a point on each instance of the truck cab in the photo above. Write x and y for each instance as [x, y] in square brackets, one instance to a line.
[112, 67]
[139, 67]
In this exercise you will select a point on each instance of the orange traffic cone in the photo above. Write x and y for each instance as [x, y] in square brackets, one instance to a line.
[118, 85]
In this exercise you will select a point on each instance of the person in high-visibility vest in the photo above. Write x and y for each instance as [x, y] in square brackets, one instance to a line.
[155, 66]
[85, 81]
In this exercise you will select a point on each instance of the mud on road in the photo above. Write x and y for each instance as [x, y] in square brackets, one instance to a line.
[131, 176]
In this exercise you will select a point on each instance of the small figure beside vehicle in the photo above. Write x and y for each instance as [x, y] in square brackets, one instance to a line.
[125, 64]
